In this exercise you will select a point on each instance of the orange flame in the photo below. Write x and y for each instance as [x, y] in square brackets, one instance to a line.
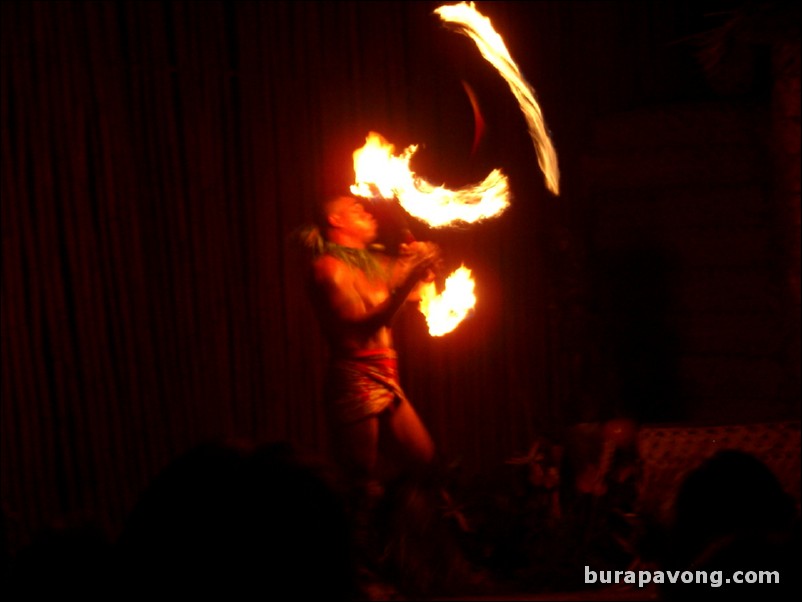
[378, 169]
[476, 26]
[446, 310]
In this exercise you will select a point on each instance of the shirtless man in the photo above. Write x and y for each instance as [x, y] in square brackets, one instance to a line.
[357, 293]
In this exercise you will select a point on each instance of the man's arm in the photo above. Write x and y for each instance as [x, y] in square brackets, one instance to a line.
[336, 282]
[410, 254]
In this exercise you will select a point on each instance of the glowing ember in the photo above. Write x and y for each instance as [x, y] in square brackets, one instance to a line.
[446, 310]
[379, 170]
[476, 26]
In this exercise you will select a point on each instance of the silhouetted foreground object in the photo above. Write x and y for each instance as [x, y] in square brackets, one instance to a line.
[67, 561]
[242, 522]
[731, 514]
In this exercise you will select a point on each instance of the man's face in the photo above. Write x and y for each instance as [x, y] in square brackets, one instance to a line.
[352, 218]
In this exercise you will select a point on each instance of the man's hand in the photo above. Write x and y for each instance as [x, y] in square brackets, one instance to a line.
[418, 261]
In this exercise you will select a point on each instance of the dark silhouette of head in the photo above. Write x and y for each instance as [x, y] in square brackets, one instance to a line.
[239, 520]
[731, 493]
[732, 514]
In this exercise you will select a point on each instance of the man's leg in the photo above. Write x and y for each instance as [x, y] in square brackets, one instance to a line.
[356, 447]
[405, 438]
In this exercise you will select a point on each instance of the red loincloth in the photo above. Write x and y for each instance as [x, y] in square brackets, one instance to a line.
[363, 384]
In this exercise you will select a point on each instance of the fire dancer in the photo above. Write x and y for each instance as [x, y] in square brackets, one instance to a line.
[357, 292]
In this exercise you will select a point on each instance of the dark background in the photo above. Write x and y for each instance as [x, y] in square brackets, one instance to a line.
[157, 156]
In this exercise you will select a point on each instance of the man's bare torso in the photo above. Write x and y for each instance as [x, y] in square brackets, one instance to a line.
[343, 294]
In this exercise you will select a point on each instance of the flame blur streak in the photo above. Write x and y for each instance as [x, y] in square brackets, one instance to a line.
[478, 120]
[378, 170]
[446, 310]
[468, 21]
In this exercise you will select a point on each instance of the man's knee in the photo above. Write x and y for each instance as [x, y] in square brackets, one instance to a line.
[423, 450]
[430, 452]
[416, 440]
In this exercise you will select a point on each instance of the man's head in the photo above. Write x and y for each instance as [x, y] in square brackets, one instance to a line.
[345, 221]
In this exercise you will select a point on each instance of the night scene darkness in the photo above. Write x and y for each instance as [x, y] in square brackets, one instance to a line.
[216, 380]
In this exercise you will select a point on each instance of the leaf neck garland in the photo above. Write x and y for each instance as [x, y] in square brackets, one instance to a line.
[362, 259]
